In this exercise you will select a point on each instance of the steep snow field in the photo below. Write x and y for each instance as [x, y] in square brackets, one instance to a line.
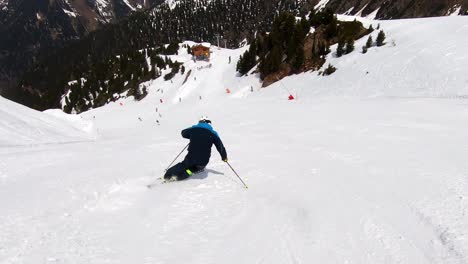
[361, 168]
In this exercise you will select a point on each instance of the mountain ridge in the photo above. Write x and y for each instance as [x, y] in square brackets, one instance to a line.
[34, 30]
[398, 9]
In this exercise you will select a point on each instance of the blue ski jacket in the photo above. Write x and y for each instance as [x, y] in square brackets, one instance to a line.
[202, 137]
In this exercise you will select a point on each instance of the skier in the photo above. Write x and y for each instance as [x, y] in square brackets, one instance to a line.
[202, 137]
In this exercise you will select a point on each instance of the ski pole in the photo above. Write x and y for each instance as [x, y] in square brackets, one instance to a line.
[237, 175]
[176, 157]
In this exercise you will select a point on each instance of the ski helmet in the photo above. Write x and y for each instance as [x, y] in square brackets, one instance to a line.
[204, 119]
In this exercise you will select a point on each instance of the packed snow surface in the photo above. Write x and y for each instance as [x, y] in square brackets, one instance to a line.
[367, 165]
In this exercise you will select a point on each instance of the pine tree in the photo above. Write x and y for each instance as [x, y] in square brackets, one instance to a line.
[282, 30]
[329, 70]
[252, 56]
[299, 60]
[349, 46]
[271, 62]
[340, 48]
[312, 18]
[304, 27]
[239, 65]
[291, 47]
[332, 29]
[364, 49]
[248, 60]
[369, 42]
[381, 39]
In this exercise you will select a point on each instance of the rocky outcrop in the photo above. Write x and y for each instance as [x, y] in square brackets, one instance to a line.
[284, 70]
[314, 45]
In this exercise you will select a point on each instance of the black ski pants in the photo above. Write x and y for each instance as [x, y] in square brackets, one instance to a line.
[180, 170]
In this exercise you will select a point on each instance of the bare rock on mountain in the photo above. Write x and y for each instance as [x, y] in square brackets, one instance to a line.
[284, 70]
[314, 45]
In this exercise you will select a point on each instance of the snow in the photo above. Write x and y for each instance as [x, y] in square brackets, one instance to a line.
[359, 13]
[21, 126]
[361, 168]
[206, 44]
[172, 3]
[72, 14]
[129, 5]
[455, 11]
[349, 11]
[322, 4]
[4, 5]
[373, 15]
[103, 8]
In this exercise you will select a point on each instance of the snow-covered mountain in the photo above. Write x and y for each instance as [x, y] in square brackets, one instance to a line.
[367, 165]
[209, 21]
[383, 9]
[32, 30]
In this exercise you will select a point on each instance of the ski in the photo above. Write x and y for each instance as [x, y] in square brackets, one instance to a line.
[160, 180]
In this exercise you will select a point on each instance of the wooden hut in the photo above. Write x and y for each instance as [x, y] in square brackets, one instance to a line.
[201, 51]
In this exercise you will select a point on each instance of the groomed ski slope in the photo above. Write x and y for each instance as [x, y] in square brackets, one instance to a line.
[361, 168]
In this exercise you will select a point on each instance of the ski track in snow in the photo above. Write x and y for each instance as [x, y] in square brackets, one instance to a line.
[367, 172]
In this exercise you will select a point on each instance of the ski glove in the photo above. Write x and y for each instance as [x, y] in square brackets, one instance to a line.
[225, 160]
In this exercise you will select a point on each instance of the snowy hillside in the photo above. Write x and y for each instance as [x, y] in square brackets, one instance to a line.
[367, 165]
[421, 59]
[20, 125]
[395, 9]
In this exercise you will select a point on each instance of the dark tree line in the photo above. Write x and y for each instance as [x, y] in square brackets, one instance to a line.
[125, 73]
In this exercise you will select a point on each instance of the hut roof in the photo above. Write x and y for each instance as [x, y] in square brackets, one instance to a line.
[206, 44]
